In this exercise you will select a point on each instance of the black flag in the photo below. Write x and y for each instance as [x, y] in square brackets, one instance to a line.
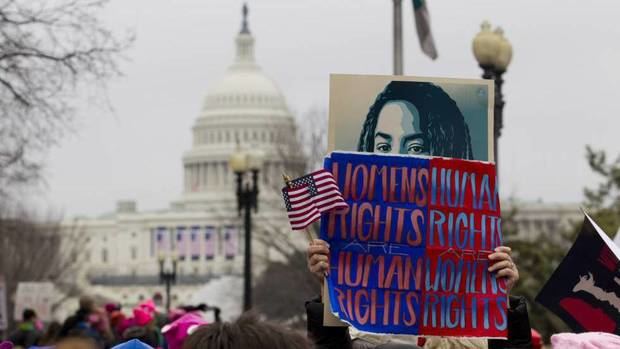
[584, 290]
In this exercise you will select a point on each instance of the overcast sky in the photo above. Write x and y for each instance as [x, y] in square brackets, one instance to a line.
[562, 89]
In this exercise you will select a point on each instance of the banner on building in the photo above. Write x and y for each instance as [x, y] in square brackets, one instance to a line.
[410, 255]
[210, 242]
[181, 243]
[231, 241]
[4, 316]
[38, 296]
[163, 244]
[194, 243]
[584, 290]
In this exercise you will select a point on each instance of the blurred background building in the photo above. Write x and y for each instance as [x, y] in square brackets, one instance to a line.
[535, 218]
[199, 235]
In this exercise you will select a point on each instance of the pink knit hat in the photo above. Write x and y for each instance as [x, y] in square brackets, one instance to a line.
[148, 305]
[6, 345]
[587, 340]
[176, 332]
[142, 317]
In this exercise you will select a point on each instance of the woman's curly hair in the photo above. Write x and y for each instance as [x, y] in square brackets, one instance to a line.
[441, 119]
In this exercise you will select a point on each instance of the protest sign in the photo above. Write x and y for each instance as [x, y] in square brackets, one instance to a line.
[411, 115]
[4, 317]
[584, 290]
[410, 255]
[37, 296]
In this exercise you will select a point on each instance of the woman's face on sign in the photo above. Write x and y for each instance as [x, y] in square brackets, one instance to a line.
[398, 130]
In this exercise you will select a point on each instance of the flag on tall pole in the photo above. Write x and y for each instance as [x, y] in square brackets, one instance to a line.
[307, 197]
[423, 27]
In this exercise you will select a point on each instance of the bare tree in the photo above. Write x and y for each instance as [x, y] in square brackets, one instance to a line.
[314, 136]
[36, 249]
[48, 49]
[286, 284]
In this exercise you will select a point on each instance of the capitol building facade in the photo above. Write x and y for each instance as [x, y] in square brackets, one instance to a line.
[201, 230]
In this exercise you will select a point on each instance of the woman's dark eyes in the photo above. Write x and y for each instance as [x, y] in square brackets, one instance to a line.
[384, 147]
[416, 149]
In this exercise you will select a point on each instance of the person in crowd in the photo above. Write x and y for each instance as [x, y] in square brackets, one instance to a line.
[89, 320]
[154, 306]
[177, 331]
[143, 335]
[519, 331]
[144, 327]
[27, 333]
[248, 332]
[590, 340]
[6, 345]
[50, 336]
[77, 339]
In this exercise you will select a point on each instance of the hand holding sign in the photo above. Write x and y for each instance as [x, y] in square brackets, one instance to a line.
[318, 258]
[504, 267]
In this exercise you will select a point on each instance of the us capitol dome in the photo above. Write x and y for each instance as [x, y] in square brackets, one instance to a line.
[201, 230]
[247, 107]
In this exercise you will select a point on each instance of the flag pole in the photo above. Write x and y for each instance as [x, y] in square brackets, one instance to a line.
[309, 235]
[398, 37]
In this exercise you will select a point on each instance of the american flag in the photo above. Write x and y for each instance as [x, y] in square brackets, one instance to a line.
[309, 196]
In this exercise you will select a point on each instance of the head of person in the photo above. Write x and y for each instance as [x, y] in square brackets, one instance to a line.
[51, 334]
[247, 332]
[77, 340]
[158, 299]
[142, 334]
[29, 315]
[87, 304]
[415, 118]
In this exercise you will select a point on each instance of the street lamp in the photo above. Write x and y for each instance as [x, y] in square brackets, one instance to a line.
[247, 199]
[167, 276]
[493, 53]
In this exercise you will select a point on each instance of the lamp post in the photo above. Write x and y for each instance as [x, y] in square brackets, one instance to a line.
[242, 163]
[493, 53]
[167, 276]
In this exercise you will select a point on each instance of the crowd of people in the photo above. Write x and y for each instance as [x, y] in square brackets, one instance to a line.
[93, 327]
[147, 327]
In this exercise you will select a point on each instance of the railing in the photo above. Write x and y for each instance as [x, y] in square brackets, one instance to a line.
[122, 280]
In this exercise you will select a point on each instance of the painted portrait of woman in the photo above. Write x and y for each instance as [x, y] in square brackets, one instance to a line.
[411, 116]
[415, 119]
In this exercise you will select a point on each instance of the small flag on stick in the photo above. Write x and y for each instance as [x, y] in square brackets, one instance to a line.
[307, 197]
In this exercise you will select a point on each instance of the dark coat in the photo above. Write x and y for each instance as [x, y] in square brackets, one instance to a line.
[519, 332]
[26, 336]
